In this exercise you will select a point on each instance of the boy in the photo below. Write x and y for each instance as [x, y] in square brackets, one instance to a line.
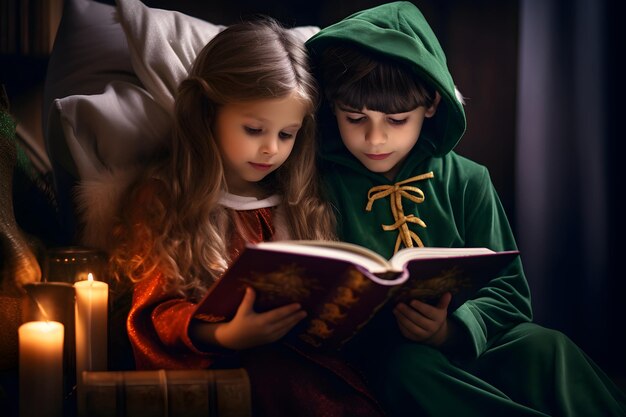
[388, 127]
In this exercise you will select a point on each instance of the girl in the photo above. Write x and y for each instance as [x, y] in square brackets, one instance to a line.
[241, 170]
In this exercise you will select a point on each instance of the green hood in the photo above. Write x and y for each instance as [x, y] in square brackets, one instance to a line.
[399, 31]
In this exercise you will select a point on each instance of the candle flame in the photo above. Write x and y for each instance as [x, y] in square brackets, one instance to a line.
[90, 277]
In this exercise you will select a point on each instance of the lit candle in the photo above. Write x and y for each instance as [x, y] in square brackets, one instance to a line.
[54, 301]
[41, 369]
[92, 299]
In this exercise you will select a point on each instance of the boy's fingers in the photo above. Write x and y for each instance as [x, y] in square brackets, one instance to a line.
[409, 328]
[432, 312]
[444, 301]
[410, 318]
[424, 309]
[407, 312]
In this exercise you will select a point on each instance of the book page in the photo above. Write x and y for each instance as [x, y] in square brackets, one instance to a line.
[349, 252]
[407, 254]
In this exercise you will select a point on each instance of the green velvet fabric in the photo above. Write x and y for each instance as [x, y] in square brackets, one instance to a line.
[527, 371]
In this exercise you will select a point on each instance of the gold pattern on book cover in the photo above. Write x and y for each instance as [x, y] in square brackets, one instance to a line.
[333, 311]
[450, 280]
[288, 281]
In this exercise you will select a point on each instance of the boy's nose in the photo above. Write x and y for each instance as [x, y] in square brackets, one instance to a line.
[376, 135]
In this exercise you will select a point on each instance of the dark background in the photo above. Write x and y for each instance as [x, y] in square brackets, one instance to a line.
[554, 214]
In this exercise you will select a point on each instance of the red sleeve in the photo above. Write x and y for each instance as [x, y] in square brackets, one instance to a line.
[158, 326]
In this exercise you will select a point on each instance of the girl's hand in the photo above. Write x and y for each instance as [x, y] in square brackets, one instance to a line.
[423, 322]
[248, 328]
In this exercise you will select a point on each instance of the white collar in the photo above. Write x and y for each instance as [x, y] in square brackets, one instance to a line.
[238, 202]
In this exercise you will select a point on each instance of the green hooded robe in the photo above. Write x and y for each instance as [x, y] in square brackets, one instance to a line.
[500, 363]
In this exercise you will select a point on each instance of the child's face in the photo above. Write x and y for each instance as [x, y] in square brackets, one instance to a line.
[380, 141]
[255, 138]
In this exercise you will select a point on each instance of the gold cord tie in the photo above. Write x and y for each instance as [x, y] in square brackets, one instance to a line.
[395, 193]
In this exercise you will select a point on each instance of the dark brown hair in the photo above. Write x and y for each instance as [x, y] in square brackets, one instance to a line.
[360, 79]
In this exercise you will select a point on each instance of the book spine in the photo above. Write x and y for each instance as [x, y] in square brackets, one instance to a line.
[220, 392]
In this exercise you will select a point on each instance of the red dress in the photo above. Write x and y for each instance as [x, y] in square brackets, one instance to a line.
[284, 381]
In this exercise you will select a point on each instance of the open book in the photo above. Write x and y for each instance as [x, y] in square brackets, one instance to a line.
[342, 285]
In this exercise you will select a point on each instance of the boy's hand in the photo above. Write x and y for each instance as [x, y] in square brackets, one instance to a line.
[248, 328]
[423, 322]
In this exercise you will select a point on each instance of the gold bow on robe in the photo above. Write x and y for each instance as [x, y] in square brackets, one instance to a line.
[395, 193]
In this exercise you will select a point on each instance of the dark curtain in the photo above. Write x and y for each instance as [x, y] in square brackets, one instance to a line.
[568, 168]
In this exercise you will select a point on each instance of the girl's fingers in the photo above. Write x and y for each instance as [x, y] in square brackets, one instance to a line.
[278, 329]
[286, 323]
[247, 303]
[281, 312]
[290, 321]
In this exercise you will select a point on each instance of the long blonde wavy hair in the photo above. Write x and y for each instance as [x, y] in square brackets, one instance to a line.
[181, 230]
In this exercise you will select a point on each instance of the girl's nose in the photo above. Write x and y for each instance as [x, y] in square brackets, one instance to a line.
[269, 146]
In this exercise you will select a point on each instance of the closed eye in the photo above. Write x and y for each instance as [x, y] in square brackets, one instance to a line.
[252, 131]
[286, 135]
[355, 120]
[397, 122]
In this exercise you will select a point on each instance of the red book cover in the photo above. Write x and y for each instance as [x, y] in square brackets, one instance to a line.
[341, 286]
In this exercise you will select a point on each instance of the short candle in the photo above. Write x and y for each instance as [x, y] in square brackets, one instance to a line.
[41, 369]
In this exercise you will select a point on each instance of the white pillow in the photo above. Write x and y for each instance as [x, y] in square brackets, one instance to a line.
[108, 131]
[90, 51]
[163, 45]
